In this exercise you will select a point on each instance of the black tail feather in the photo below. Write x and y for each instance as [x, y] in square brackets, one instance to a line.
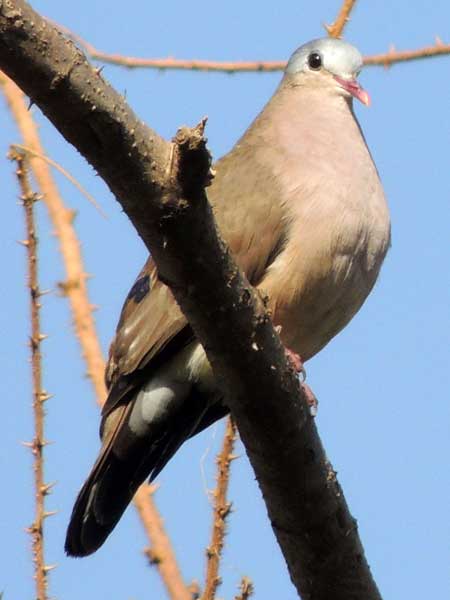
[115, 478]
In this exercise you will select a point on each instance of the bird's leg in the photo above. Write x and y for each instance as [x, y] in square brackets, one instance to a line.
[297, 363]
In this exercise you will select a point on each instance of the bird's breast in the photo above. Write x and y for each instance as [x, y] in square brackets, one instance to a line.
[338, 235]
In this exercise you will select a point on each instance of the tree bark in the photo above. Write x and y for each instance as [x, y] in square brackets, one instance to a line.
[161, 187]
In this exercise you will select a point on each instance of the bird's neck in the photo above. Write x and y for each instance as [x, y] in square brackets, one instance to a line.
[298, 126]
[297, 114]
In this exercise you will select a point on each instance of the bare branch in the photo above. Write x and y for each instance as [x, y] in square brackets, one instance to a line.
[30, 152]
[398, 56]
[75, 285]
[41, 489]
[180, 64]
[336, 29]
[171, 63]
[161, 188]
[75, 289]
[221, 510]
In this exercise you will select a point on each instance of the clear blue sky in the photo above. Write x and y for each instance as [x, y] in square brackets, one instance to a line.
[383, 383]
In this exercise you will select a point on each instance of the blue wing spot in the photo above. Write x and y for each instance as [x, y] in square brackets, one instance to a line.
[140, 289]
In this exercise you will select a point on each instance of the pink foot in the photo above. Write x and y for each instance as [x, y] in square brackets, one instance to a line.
[297, 364]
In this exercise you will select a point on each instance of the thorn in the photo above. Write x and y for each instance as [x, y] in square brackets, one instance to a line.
[25, 243]
[33, 528]
[27, 444]
[49, 513]
[48, 568]
[44, 396]
[45, 292]
[47, 488]
[65, 286]
[194, 589]
[153, 557]
[438, 40]
[33, 343]
[41, 336]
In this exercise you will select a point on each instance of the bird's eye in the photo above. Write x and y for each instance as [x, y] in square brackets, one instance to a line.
[314, 61]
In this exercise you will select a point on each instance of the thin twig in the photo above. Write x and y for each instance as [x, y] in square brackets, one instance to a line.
[75, 285]
[398, 56]
[221, 510]
[246, 589]
[76, 290]
[170, 63]
[335, 30]
[66, 174]
[36, 529]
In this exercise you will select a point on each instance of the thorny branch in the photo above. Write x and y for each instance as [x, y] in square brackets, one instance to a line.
[394, 56]
[385, 59]
[75, 285]
[75, 289]
[335, 30]
[36, 529]
[221, 510]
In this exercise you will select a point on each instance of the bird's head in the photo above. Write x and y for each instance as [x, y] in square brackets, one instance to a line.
[328, 63]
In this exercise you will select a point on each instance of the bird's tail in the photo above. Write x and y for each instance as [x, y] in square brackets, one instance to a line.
[100, 504]
[125, 461]
[105, 495]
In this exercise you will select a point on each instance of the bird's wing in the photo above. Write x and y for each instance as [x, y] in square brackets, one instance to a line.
[152, 327]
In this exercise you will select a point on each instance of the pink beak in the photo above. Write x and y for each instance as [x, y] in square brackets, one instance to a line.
[353, 88]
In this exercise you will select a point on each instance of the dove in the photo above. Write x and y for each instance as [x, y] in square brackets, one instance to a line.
[300, 203]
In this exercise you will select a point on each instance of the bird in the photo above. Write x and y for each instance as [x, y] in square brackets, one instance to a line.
[299, 201]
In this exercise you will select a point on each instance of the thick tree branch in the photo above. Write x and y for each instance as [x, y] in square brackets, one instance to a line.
[160, 186]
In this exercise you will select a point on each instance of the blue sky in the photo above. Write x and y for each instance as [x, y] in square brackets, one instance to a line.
[382, 384]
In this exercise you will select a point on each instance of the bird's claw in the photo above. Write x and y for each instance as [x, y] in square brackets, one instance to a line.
[296, 363]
